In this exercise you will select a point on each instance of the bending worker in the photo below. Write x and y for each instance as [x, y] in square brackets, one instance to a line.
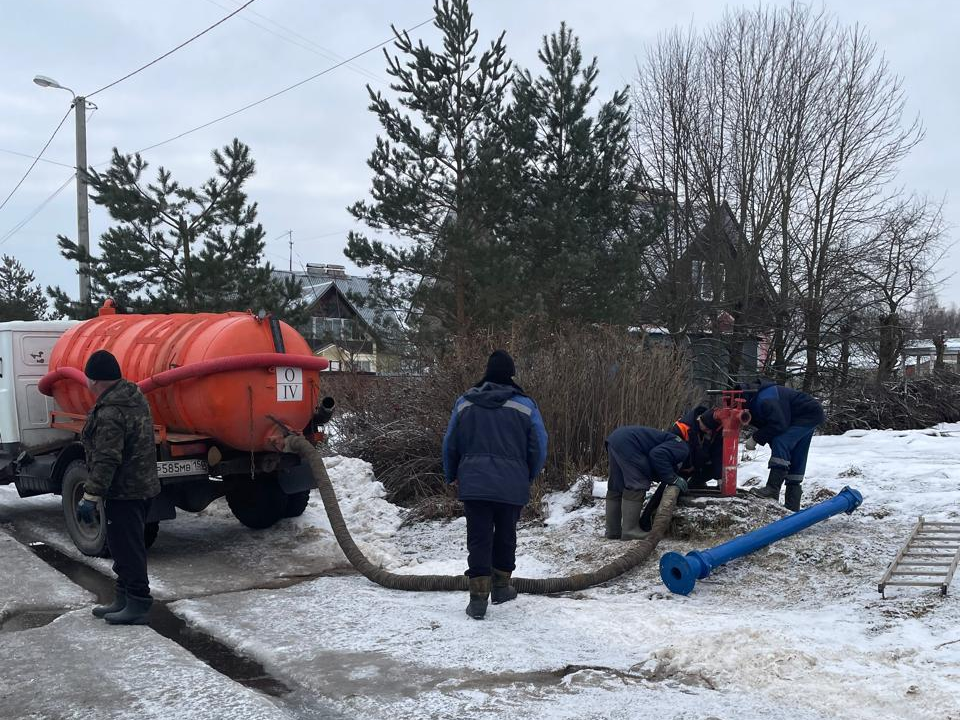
[640, 456]
[495, 446]
[785, 418]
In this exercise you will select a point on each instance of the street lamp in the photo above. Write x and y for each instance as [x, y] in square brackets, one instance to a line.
[83, 221]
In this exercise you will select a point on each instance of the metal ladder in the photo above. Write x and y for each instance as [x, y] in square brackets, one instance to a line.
[928, 559]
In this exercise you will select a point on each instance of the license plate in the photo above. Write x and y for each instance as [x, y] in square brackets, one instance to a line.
[178, 468]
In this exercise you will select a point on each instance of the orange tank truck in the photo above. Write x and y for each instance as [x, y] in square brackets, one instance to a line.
[234, 407]
[224, 389]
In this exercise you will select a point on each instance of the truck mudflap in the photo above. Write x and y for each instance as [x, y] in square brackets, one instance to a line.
[36, 476]
[296, 479]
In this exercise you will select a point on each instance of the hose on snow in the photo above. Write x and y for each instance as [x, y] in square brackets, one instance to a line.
[639, 552]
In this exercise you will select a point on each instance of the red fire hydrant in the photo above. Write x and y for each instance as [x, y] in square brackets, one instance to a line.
[732, 416]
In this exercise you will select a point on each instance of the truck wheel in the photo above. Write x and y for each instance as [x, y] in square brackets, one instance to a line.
[150, 532]
[89, 539]
[256, 503]
[296, 504]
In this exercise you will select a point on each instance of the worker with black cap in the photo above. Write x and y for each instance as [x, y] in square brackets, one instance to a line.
[122, 477]
[494, 447]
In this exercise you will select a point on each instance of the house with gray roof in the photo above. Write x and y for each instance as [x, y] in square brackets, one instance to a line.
[343, 328]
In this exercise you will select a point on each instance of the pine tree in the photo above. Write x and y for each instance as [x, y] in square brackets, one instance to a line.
[176, 248]
[576, 232]
[435, 178]
[19, 298]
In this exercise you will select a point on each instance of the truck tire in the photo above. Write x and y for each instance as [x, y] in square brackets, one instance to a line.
[89, 539]
[150, 532]
[258, 504]
[296, 504]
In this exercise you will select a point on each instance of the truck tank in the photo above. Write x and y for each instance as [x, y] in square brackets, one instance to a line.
[238, 407]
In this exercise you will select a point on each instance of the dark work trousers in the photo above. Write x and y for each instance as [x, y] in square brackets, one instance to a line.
[491, 536]
[125, 521]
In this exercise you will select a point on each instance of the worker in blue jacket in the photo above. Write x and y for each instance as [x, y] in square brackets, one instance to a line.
[701, 430]
[785, 419]
[494, 447]
[638, 457]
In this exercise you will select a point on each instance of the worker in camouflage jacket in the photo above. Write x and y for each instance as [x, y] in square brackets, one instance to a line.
[786, 419]
[121, 479]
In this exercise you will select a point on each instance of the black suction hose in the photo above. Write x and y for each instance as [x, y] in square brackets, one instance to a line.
[639, 552]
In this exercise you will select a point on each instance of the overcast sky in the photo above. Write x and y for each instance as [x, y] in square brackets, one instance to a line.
[311, 144]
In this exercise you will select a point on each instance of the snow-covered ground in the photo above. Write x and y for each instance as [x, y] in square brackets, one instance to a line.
[28, 584]
[79, 668]
[797, 630]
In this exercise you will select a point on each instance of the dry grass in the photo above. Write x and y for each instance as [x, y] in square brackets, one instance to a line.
[586, 381]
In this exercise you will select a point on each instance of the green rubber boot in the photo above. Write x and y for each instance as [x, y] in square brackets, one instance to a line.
[133, 613]
[119, 602]
[771, 491]
[792, 495]
[479, 594]
[614, 517]
[632, 510]
[501, 590]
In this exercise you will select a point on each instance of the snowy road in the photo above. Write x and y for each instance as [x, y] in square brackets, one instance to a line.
[797, 630]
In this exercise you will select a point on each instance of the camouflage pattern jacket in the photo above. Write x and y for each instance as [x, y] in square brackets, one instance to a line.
[119, 444]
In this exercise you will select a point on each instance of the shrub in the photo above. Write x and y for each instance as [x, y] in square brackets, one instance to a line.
[586, 381]
[919, 403]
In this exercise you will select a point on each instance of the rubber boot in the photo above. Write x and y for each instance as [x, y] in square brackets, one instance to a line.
[613, 516]
[650, 511]
[479, 593]
[771, 491]
[119, 602]
[501, 590]
[632, 510]
[133, 613]
[792, 495]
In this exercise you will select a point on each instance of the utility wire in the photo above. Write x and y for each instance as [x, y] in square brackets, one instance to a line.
[171, 52]
[19, 226]
[279, 92]
[36, 159]
[300, 41]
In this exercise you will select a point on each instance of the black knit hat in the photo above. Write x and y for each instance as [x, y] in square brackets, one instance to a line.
[500, 368]
[102, 365]
[709, 420]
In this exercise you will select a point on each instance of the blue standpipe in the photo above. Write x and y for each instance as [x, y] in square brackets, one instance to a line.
[681, 572]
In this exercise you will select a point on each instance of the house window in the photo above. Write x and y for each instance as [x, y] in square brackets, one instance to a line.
[337, 328]
[708, 280]
[334, 365]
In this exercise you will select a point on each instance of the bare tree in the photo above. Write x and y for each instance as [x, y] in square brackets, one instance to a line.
[797, 124]
[903, 249]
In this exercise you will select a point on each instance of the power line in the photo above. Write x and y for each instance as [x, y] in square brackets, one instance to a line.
[19, 226]
[303, 42]
[36, 159]
[167, 54]
[279, 92]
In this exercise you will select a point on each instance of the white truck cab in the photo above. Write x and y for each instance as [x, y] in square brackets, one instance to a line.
[25, 349]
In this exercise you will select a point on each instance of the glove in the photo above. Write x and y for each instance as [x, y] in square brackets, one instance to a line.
[680, 483]
[750, 443]
[86, 511]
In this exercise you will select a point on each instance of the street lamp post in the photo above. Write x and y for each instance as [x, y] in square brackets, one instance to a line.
[83, 219]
